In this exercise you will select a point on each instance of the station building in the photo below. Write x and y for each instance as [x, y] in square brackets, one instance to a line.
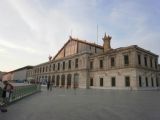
[88, 65]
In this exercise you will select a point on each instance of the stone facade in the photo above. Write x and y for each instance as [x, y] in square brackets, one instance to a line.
[122, 64]
[88, 65]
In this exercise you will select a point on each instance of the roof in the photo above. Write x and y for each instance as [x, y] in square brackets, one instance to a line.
[26, 67]
[126, 48]
[78, 40]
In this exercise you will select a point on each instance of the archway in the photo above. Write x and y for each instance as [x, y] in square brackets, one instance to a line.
[53, 79]
[62, 80]
[76, 81]
[57, 80]
[69, 78]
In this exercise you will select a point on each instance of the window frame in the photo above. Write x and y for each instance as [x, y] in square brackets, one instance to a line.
[126, 59]
[101, 64]
[112, 61]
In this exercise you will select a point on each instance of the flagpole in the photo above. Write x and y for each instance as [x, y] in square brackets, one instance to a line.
[97, 33]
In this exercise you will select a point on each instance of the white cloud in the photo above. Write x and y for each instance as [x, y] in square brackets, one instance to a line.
[2, 50]
[36, 28]
[130, 25]
[11, 45]
[43, 31]
[29, 13]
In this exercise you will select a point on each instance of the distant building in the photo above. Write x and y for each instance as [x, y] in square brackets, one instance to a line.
[18, 75]
[88, 65]
[1, 74]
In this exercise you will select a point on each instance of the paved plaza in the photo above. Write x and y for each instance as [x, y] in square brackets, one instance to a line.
[86, 104]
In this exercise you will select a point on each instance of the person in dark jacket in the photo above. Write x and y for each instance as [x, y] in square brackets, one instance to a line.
[7, 90]
[48, 84]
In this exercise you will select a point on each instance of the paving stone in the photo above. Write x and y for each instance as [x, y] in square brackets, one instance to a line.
[86, 104]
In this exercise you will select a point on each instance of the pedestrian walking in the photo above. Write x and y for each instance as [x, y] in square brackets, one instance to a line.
[51, 85]
[6, 94]
[48, 84]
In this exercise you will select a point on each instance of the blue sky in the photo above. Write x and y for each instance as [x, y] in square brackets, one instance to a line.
[30, 30]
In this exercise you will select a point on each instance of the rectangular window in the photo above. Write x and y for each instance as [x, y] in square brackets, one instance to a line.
[49, 67]
[152, 82]
[76, 63]
[40, 70]
[43, 69]
[91, 81]
[112, 62]
[53, 67]
[46, 68]
[140, 81]
[156, 64]
[139, 59]
[127, 81]
[146, 82]
[101, 82]
[145, 61]
[91, 65]
[151, 62]
[113, 81]
[69, 64]
[64, 65]
[58, 66]
[126, 60]
[101, 63]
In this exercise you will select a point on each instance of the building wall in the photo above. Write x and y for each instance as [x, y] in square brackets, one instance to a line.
[19, 75]
[7, 77]
[54, 70]
[120, 70]
[119, 78]
[150, 58]
[1, 75]
[151, 76]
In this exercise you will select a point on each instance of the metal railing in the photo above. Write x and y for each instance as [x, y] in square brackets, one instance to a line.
[20, 92]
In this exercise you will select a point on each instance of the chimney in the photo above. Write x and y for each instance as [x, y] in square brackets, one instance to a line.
[106, 42]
